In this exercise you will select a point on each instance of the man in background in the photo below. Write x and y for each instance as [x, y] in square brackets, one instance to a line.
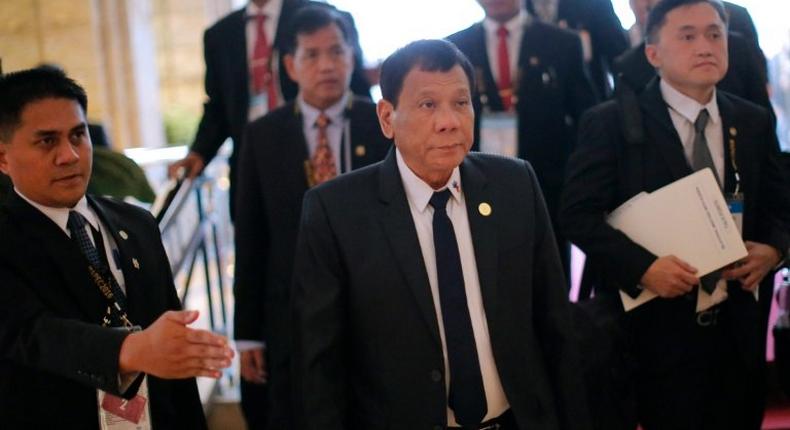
[325, 132]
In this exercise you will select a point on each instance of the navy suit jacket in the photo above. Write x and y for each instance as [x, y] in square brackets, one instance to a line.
[367, 349]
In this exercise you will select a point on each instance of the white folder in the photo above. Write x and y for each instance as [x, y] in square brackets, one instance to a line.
[688, 218]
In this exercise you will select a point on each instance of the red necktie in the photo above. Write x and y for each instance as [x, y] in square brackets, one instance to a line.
[260, 68]
[504, 83]
[323, 161]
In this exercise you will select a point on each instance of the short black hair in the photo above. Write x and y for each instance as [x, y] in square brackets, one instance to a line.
[18, 89]
[430, 55]
[658, 14]
[309, 19]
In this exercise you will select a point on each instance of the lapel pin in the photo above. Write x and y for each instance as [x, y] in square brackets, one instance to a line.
[534, 61]
[359, 150]
[136, 263]
[562, 24]
[733, 131]
[484, 209]
[123, 235]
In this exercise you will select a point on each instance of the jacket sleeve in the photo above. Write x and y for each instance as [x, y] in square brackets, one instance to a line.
[591, 187]
[319, 324]
[214, 127]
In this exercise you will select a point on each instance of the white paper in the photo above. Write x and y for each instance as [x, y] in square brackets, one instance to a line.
[689, 219]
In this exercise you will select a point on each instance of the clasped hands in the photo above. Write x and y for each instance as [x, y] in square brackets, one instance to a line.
[669, 276]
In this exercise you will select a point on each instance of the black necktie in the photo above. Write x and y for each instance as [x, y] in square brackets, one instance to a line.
[467, 396]
[76, 226]
[702, 159]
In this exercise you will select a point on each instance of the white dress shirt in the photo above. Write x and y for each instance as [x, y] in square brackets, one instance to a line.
[334, 131]
[60, 216]
[419, 194]
[515, 28]
[684, 111]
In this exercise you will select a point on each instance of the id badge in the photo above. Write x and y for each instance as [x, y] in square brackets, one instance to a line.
[117, 413]
[259, 106]
[735, 204]
[499, 133]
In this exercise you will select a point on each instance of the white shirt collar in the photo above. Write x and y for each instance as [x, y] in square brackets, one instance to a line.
[512, 25]
[60, 216]
[418, 192]
[271, 9]
[335, 113]
[686, 106]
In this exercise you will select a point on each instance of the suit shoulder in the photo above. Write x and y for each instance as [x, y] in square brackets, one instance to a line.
[744, 107]
[466, 37]
[348, 185]
[275, 118]
[125, 211]
[226, 22]
[497, 165]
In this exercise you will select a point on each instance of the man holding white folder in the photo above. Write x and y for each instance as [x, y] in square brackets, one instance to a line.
[692, 370]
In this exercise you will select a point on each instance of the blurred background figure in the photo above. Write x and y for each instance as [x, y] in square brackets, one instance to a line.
[245, 77]
[598, 27]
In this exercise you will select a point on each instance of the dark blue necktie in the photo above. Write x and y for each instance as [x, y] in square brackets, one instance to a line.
[76, 226]
[467, 397]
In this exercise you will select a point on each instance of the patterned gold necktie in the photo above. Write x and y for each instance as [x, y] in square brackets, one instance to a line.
[323, 161]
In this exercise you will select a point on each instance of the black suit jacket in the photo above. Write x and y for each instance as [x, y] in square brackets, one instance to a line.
[225, 112]
[53, 352]
[366, 340]
[605, 172]
[271, 183]
[553, 91]
[606, 34]
[744, 77]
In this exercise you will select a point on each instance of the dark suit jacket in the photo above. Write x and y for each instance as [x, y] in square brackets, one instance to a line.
[225, 112]
[744, 77]
[53, 352]
[606, 34]
[366, 340]
[553, 91]
[271, 183]
[598, 182]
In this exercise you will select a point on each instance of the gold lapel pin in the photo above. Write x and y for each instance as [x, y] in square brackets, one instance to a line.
[733, 131]
[359, 150]
[484, 209]
[136, 263]
[534, 61]
[123, 235]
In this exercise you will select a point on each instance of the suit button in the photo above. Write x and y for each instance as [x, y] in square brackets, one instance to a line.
[436, 375]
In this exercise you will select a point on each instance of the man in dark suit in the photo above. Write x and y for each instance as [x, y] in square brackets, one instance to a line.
[598, 27]
[90, 330]
[280, 161]
[428, 292]
[548, 89]
[692, 370]
[233, 99]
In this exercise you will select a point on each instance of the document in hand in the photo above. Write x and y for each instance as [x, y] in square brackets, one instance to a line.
[688, 218]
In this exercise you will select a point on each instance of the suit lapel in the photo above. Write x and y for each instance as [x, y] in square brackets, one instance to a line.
[402, 236]
[483, 229]
[64, 254]
[296, 141]
[127, 256]
[730, 127]
[659, 125]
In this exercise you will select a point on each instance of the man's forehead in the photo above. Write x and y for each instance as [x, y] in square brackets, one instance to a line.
[51, 111]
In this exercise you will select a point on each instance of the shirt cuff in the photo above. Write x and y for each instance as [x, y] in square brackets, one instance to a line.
[248, 345]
